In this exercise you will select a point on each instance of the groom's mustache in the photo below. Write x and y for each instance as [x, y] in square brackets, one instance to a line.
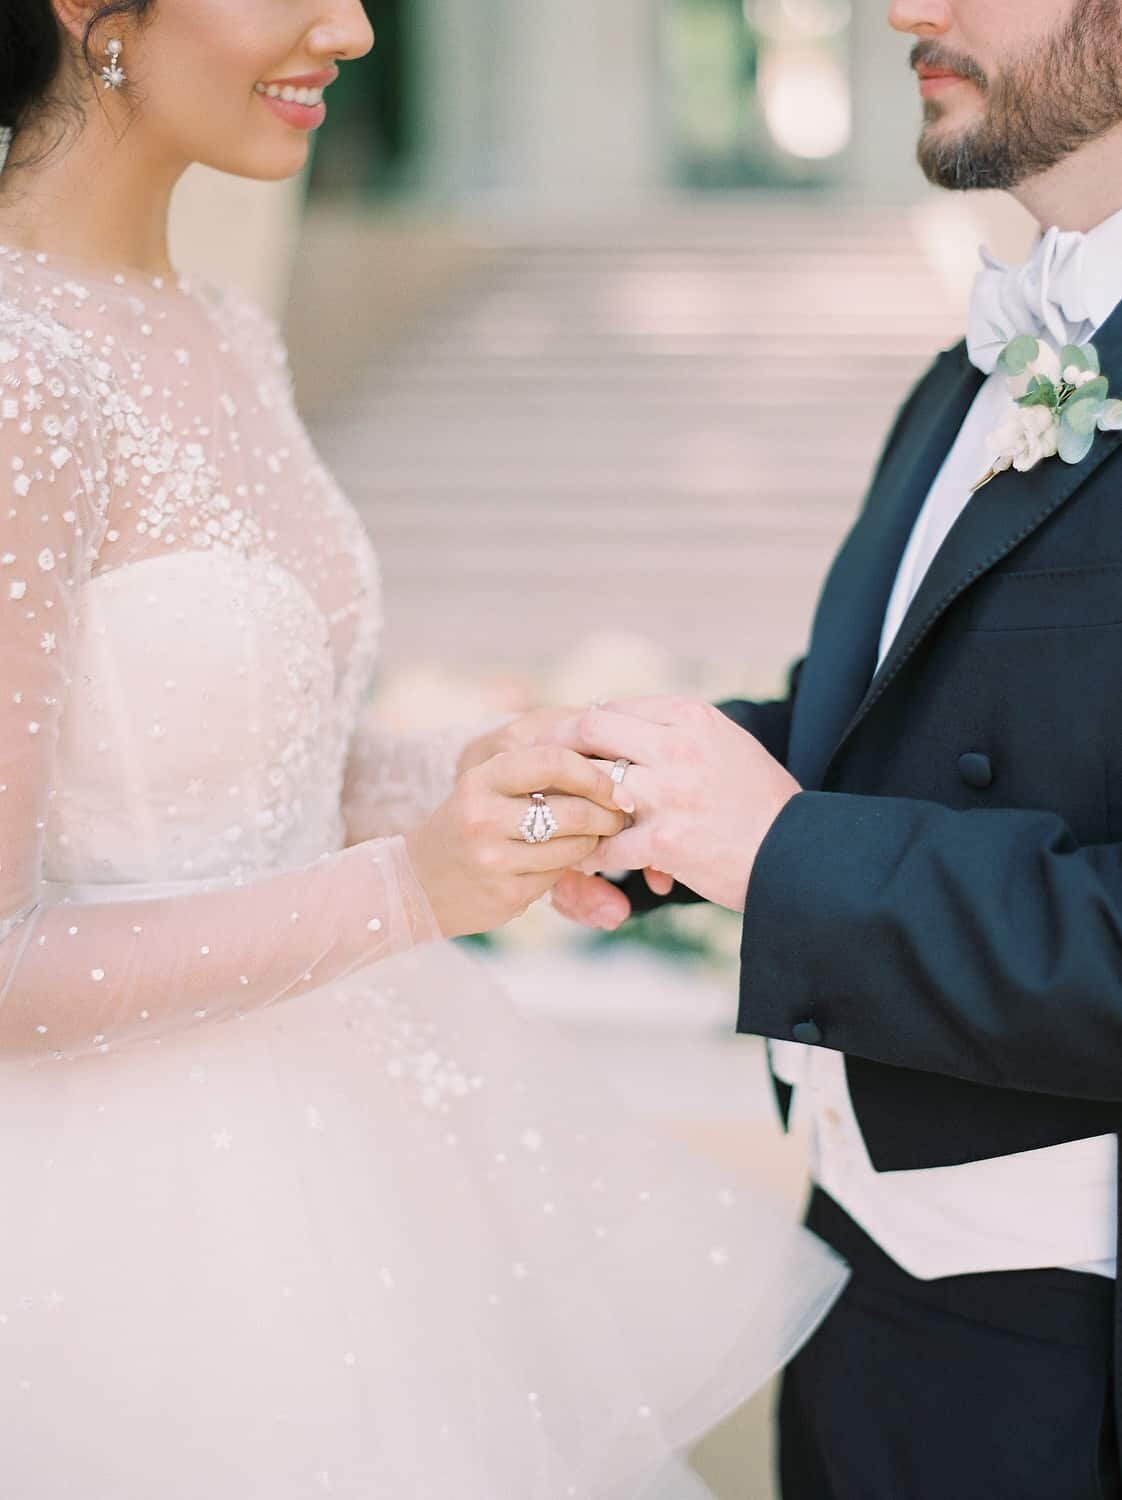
[935, 56]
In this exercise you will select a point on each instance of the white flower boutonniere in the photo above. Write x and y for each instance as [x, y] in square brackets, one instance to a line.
[1060, 401]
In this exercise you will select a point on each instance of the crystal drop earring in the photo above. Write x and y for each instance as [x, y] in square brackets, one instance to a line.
[113, 75]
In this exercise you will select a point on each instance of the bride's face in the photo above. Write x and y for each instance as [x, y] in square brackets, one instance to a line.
[207, 75]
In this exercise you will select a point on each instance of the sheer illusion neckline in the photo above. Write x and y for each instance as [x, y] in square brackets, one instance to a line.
[124, 279]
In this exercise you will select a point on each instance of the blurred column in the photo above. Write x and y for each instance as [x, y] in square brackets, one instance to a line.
[886, 110]
[534, 106]
[238, 233]
[464, 51]
[586, 119]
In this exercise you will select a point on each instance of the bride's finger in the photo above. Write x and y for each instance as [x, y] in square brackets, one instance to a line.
[557, 854]
[575, 816]
[544, 768]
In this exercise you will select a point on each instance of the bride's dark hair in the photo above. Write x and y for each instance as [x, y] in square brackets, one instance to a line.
[32, 48]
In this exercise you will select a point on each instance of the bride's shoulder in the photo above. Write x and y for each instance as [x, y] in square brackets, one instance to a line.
[28, 331]
[54, 399]
[253, 332]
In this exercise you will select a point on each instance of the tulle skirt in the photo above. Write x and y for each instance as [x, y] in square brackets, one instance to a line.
[385, 1242]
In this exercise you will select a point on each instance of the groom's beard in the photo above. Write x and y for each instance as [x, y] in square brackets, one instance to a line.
[1066, 92]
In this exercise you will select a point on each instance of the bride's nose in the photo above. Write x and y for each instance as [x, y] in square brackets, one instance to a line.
[344, 35]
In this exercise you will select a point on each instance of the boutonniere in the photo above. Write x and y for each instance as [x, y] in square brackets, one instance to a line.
[1060, 401]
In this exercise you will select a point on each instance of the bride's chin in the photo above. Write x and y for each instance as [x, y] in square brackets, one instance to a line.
[271, 163]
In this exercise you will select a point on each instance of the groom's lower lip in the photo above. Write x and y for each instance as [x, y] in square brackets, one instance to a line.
[931, 84]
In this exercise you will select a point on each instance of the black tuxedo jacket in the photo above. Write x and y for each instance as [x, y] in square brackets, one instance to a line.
[943, 901]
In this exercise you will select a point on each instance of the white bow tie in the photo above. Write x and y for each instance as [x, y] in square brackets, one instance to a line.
[1045, 296]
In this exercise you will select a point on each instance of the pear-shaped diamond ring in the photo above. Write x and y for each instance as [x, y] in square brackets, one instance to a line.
[539, 825]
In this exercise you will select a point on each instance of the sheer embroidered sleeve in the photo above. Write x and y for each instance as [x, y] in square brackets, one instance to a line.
[74, 977]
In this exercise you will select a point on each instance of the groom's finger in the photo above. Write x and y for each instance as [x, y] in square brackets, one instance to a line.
[630, 850]
[664, 710]
[613, 736]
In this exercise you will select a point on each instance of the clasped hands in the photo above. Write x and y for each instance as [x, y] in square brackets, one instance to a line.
[699, 797]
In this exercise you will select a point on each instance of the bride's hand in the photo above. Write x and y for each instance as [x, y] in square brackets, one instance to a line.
[477, 870]
[534, 728]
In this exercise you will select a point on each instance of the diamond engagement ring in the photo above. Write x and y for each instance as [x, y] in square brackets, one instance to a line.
[539, 825]
[620, 770]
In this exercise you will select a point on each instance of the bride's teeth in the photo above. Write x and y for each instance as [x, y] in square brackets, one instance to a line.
[309, 98]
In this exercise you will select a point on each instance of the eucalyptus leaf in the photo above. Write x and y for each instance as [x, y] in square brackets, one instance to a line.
[1081, 416]
[1074, 445]
[1110, 418]
[1083, 409]
[1077, 355]
[1018, 354]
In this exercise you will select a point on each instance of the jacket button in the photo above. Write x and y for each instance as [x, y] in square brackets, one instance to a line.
[807, 1031]
[976, 770]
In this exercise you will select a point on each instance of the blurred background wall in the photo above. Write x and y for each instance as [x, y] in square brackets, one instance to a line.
[600, 311]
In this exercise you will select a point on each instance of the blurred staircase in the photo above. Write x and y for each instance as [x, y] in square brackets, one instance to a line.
[667, 431]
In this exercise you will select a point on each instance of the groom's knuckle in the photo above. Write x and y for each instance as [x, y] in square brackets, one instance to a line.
[697, 716]
[659, 842]
[678, 750]
[587, 727]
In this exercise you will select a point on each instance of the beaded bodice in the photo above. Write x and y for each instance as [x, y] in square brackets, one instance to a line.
[225, 594]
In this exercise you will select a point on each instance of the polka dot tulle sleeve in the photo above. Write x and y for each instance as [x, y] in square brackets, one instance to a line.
[114, 925]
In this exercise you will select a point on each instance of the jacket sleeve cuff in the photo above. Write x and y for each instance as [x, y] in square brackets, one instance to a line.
[803, 913]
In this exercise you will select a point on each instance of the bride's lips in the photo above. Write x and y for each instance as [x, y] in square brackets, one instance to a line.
[935, 81]
[288, 98]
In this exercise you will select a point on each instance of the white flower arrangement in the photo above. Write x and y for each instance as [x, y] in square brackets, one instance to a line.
[1060, 399]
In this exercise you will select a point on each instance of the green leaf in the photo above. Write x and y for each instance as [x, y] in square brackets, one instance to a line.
[1074, 354]
[1081, 412]
[1074, 446]
[1110, 418]
[1041, 392]
[1018, 354]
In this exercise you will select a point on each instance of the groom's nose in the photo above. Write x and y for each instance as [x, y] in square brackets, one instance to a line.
[920, 17]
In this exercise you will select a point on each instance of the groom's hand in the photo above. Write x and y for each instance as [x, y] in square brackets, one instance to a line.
[703, 792]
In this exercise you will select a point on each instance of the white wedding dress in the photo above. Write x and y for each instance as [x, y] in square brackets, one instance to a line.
[293, 1204]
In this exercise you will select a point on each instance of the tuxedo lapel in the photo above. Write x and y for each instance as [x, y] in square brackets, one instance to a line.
[996, 520]
[850, 617]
